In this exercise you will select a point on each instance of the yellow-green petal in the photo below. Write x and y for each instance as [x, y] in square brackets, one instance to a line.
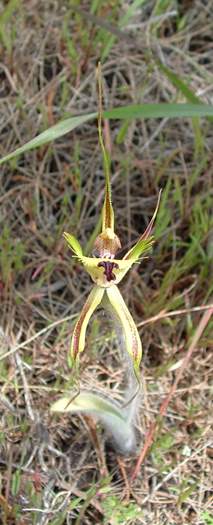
[73, 244]
[132, 338]
[79, 333]
[145, 241]
[142, 246]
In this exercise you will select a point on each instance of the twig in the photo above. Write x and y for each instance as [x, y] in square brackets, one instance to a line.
[92, 429]
[171, 474]
[35, 336]
[163, 314]
[127, 489]
[25, 387]
[151, 432]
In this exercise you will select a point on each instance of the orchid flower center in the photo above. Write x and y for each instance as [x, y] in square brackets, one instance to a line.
[108, 269]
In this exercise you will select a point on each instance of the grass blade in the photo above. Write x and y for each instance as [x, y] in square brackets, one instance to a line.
[50, 134]
[122, 23]
[162, 110]
[179, 83]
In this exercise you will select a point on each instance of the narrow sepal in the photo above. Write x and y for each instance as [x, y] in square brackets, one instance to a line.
[148, 230]
[107, 212]
[79, 333]
[132, 338]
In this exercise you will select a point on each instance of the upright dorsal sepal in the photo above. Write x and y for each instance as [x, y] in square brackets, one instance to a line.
[107, 243]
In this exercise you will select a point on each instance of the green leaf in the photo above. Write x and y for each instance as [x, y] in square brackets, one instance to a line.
[16, 482]
[126, 112]
[162, 110]
[109, 412]
[130, 12]
[208, 518]
[59, 130]
[87, 402]
[179, 84]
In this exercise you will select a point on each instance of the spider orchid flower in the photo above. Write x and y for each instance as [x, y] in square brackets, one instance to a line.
[106, 272]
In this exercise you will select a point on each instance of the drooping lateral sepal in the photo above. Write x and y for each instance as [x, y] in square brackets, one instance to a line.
[132, 338]
[79, 333]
